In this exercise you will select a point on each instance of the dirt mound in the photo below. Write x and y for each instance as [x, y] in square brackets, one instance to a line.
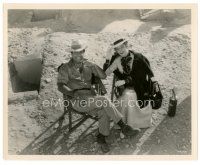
[24, 42]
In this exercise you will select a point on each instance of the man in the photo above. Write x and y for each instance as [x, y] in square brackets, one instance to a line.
[74, 79]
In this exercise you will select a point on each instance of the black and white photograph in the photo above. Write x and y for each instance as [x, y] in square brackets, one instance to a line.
[100, 80]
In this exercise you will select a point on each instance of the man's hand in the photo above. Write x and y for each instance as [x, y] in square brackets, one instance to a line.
[109, 53]
[119, 83]
[67, 88]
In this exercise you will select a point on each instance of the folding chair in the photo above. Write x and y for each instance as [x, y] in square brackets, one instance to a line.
[99, 89]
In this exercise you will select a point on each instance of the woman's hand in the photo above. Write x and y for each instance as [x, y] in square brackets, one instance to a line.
[153, 79]
[119, 83]
[109, 53]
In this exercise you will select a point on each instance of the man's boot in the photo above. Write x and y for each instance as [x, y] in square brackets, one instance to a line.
[127, 130]
[102, 141]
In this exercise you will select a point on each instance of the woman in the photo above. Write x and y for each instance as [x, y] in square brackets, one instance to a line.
[133, 72]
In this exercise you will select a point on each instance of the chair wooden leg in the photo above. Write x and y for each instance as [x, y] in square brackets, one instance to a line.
[70, 119]
[62, 118]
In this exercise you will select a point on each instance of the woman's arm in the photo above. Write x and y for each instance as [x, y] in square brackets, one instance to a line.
[106, 65]
[98, 72]
[110, 69]
[113, 67]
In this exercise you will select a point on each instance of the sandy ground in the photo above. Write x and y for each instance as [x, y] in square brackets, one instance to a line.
[178, 135]
[32, 127]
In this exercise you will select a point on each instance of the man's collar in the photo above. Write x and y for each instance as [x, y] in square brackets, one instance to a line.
[70, 63]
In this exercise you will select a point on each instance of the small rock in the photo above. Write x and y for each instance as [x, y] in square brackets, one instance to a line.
[93, 149]
[95, 143]
[48, 80]
[164, 122]
[56, 126]
[12, 134]
[21, 130]
[33, 115]
[42, 86]
[175, 131]
[127, 146]
[28, 134]
[184, 147]
[13, 55]
[118, 139]
[12, 129]
[71, 149]
[51, 121]
[162, 112]
[34, 134]
[57, 149]
[122, 135]
[19, 151]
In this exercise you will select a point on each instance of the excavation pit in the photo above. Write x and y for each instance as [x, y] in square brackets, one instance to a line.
[25, 74]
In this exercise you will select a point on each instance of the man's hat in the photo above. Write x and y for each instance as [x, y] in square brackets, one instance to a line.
[119, 42]
[77, 46]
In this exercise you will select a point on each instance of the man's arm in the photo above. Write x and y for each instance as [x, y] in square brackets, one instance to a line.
[63, 79]
[64, 89]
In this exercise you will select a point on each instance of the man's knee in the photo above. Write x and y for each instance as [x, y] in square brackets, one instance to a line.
[101, 101]
[103, 114]
[101, 98]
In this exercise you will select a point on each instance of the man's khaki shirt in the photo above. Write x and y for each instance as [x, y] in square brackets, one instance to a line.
[71, 76]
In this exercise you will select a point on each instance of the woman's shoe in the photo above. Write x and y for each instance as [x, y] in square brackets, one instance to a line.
[128, 131]
[116, 127]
